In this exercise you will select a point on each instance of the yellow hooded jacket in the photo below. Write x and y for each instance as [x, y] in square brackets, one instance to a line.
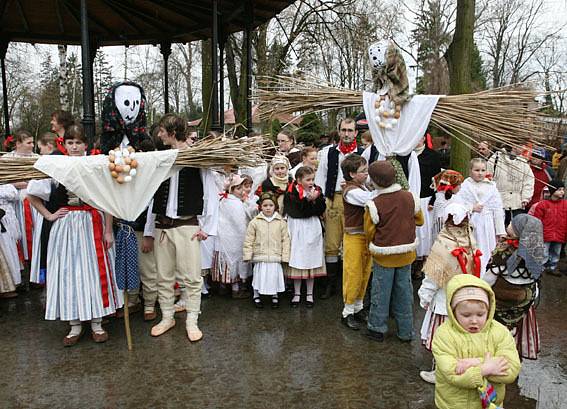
[452, 342]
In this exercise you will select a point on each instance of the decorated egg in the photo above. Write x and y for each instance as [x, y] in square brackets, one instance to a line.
[134, 164]
[133, 172]
[397, 115]
[394, 121]
[126, 168]
[382, 124]
[125, 153]
[386, 114]
[119, 168]
[120, 179]
[118, 154]
[127, 160]
[127, 178]
[114, 174]
[111, 166]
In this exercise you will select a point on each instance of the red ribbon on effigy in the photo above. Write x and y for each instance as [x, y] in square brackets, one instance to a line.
[477, 263]
[99, 247]
[460, 253]
[28, 223]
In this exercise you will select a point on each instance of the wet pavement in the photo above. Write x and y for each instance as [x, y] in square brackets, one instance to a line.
[248, 358]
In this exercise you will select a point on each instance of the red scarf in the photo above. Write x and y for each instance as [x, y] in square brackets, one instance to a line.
[60, 145]
[345, 149]
[513, 242]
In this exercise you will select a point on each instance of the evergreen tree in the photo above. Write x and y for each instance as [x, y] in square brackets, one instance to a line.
[102, 73]
[310, 130]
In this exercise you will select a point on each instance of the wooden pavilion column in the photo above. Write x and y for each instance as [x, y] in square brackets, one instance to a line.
[3, 51]
[165, 49]
[215, 126]
[87, 72]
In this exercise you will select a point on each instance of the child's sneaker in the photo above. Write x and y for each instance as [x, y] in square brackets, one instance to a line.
[428, 376]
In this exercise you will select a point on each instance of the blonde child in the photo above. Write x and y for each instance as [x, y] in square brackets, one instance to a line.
[304, 205]
[228, 266]
[454, 252]
[481, 196]
[267, 245]
[278, 179]
[475, 355]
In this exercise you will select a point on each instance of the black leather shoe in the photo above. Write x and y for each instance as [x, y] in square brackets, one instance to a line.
[361, 316]
[295, 304]
[375, 336]
[350, 322]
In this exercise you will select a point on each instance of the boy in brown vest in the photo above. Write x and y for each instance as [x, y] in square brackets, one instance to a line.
[357, 261]
[390, 220]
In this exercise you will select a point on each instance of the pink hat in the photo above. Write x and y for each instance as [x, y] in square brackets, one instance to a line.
[469, 293]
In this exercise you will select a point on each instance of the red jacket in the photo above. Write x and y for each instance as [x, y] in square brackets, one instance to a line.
[542, 177]
[553, 215]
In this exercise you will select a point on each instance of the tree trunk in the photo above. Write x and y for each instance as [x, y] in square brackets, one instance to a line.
[459, 59]
[207, 85]
[63, 101]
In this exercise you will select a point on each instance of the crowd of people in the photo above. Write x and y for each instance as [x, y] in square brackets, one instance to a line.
[334, 219]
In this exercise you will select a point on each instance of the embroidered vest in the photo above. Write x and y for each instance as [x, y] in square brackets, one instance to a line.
[189, 194]
[333, 170]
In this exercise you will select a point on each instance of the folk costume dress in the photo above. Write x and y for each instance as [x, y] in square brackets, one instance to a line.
[454, 252]
[514, 273]
[10, 234]
[29, 219]
[80, 283]
[304, 225]
[489, 222]
[228, 266]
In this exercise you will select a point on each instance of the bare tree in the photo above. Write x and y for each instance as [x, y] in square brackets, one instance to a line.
[514, 32]
[63, 98]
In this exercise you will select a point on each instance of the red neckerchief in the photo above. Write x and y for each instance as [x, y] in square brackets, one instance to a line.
[60, 145]
[299, 187]
[513, 242]
[347, 148]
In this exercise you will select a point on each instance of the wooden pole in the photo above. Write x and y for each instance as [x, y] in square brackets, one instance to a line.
[127, 321]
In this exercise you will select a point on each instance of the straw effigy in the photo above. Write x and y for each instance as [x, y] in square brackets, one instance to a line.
[507, 115]
[215, 152]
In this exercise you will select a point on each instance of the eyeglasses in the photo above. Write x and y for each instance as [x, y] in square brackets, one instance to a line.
[346, 130]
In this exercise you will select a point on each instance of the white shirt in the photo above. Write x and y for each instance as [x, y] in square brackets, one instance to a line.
[321, 175]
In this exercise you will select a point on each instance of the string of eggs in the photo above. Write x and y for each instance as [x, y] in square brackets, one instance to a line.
[122, 164]
[387, 113]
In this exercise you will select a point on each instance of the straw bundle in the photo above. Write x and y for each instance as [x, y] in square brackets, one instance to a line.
[505, 115]
[206, 153]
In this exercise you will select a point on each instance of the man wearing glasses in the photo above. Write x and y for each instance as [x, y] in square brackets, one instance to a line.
[330, 177]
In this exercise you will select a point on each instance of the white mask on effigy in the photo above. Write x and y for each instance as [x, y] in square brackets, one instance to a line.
[127, 99]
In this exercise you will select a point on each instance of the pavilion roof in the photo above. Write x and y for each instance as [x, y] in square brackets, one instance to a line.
[128, 22]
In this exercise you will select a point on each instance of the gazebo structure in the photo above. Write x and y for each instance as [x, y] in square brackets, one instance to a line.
[97, 23]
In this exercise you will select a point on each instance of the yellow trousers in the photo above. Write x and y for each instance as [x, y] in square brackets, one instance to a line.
[334, 225]
[357, 265]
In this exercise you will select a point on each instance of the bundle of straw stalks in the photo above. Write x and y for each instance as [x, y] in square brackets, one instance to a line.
[507, 115]
[215, 152]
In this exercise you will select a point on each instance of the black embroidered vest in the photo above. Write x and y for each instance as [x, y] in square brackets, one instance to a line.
[333, 170]
[189, 194]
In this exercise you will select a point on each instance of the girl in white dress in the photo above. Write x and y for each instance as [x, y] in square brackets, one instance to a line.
[304, 205]
[80, 281]
[9, 238]
[482, 197]
[267, 245]
[228, 266]
[28, 218]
